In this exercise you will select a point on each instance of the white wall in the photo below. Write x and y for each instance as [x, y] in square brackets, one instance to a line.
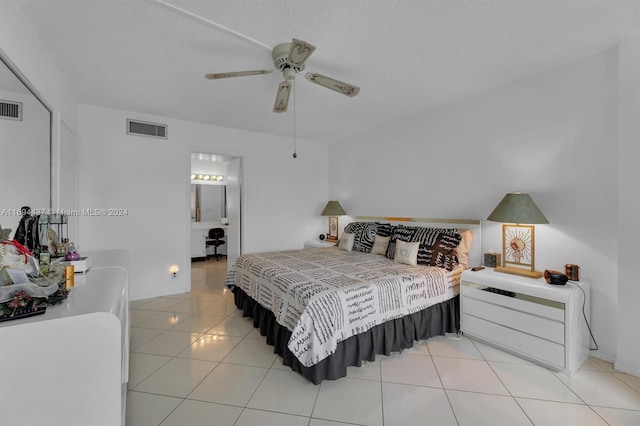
[552, 135]
[629, 209]
[149, 177]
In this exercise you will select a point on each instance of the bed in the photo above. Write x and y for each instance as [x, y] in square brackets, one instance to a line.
[387, 284]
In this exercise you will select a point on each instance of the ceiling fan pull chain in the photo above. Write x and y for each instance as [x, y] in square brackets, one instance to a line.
[295, 154]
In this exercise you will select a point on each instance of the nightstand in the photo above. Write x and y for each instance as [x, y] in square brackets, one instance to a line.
[532, 319]
[316, 242]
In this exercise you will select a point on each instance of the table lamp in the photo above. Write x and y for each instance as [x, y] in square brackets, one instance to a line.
[333, 209]
[518, 213]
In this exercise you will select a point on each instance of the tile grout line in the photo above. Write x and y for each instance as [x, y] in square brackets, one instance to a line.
[503, 384]
[446, 394]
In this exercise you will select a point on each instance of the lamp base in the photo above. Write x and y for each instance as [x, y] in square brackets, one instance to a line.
[332, 239]
[516, 271]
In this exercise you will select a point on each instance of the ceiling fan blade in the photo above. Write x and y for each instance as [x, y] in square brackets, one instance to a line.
[282, 98]
[236, 74]
[333, 84]
[298, 53]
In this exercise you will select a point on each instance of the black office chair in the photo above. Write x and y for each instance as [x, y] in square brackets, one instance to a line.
[215, 235]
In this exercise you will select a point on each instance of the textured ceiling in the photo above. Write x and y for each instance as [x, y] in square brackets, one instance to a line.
[406, 55]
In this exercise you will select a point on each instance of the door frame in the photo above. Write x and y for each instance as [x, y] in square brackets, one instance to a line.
[187, 202]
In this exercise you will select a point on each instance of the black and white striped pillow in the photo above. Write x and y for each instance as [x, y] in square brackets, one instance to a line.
[437, 245]
[364, 234]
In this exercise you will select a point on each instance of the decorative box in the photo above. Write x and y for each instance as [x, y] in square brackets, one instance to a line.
[82, 265]
[491, 260]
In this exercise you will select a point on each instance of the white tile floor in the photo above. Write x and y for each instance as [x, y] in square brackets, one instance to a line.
[196, 361]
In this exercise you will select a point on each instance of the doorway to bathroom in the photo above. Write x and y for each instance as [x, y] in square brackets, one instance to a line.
[215, 202]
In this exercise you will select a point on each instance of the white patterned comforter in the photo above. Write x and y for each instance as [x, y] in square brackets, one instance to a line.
[326, 295]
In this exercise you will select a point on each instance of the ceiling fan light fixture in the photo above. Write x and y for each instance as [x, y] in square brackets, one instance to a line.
[289, 73]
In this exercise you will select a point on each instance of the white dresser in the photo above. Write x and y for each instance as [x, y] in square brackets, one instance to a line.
[528, 317]
[69, 366]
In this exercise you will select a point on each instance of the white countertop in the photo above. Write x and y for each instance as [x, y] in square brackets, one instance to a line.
[99, 290]
[104, 288]
[207, 225]
[532, 287]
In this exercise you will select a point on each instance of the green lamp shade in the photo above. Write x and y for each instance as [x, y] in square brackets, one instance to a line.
[333, 208]
[517, 208]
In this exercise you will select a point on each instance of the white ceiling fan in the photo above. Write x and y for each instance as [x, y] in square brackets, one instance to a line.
[290, 58]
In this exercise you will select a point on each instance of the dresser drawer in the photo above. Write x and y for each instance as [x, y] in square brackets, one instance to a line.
[542, 327]
[514, 300]
[528, 317]
[514, 340]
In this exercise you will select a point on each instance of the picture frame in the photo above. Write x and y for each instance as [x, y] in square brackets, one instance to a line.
[333, 228]
[518, 247]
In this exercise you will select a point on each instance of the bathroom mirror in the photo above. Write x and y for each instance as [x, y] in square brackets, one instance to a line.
[25, 147]
[209, 173]
[208, 202]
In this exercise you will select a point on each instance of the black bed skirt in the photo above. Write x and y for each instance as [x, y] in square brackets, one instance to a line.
[392, 336]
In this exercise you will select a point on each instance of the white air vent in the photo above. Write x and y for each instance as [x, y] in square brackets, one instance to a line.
[142, 128]
[11, 110]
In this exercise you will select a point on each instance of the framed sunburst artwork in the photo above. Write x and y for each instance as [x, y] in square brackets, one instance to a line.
[518, 245]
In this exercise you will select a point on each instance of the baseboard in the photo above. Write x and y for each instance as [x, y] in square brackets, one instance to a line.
[629, 369]
[158, 294]
[603, 356]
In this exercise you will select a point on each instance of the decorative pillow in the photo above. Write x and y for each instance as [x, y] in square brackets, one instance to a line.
[463, 249]
[427, 236]
[346, 241]
[380, 245]
[442, 253]
[385, 229]
[397, 232]
[406, 252]
[364, 235]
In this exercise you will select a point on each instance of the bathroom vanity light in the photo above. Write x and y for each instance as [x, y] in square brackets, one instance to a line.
[210, 178]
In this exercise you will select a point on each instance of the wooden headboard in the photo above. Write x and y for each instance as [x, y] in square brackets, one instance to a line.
[475, 254]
